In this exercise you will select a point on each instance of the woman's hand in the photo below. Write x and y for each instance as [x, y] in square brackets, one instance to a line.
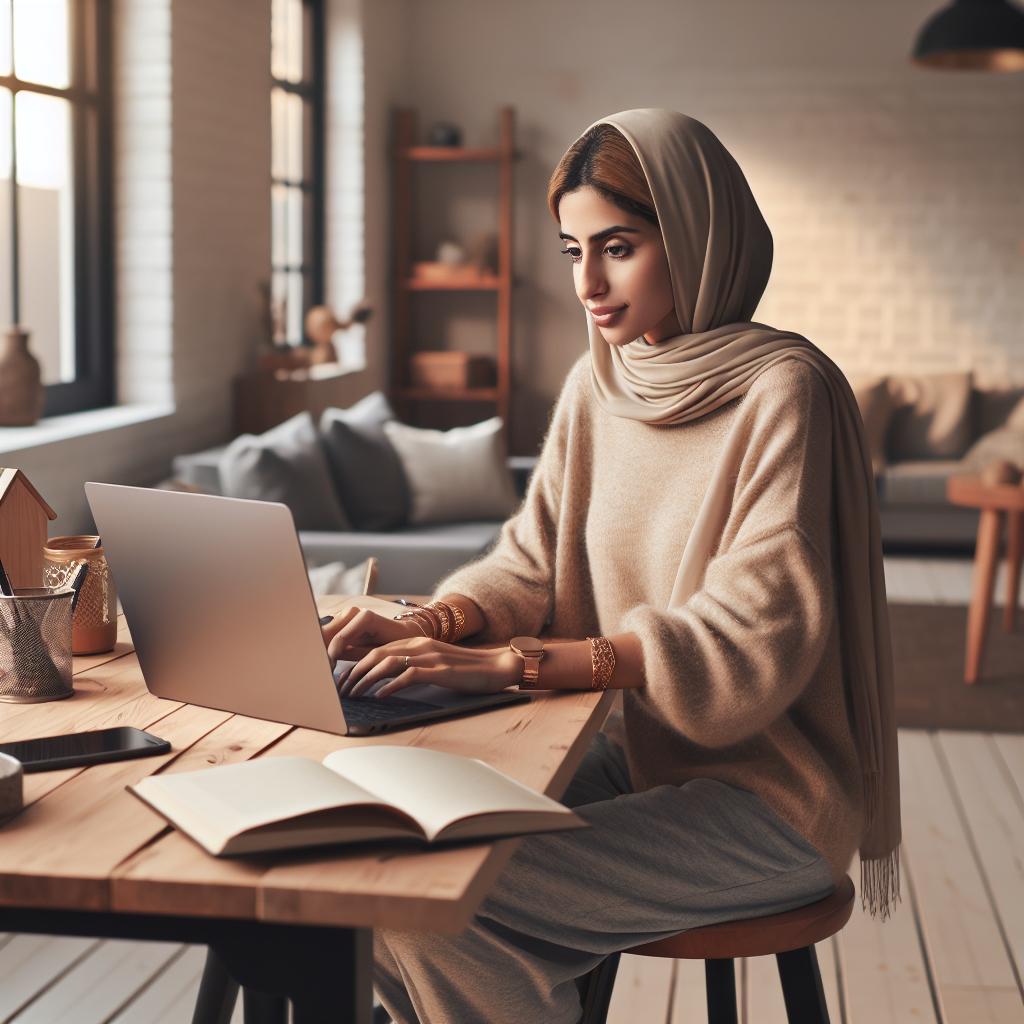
[416, 661]
[349, 635]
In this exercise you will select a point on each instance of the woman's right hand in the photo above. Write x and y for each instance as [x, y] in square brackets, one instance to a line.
[352, 634]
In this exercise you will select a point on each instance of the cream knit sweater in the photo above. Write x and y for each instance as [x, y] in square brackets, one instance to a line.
[745, 681]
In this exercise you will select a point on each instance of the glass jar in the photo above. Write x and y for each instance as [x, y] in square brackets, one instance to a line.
[95, 620]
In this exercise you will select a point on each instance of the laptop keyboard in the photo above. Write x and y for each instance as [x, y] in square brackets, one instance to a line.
[360, 710]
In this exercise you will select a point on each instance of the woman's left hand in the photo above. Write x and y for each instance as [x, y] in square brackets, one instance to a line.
[420, 660]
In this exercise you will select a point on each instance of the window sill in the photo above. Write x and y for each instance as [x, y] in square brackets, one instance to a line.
[79, 424]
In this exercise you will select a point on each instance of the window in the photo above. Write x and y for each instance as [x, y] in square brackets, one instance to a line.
[55, 265]
[296, 111]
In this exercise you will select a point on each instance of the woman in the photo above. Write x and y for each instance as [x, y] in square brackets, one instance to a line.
[703, 509]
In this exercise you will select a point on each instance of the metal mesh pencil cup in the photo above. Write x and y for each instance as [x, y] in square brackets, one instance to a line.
[35, 645]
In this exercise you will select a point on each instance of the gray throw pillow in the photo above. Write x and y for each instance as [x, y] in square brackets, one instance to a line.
[932, 418]
[367, 472]
[285, 464]
[455, 475]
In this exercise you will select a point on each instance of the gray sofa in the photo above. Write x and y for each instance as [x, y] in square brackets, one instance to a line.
[925, 430]
[412, 560]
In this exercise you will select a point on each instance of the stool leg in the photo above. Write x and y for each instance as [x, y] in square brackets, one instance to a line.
[986, 557]
[1014, 557]
[264, 1008]
[801, 986]
[217, 993]
[720, 982]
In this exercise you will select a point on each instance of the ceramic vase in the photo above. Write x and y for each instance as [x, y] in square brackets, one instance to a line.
[21, 390]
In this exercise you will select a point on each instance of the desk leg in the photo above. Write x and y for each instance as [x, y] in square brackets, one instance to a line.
[1014, 557]
[218, 992]
[986, 559]
[327, 974]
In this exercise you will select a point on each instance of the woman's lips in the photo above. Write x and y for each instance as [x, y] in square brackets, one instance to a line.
[605, 316]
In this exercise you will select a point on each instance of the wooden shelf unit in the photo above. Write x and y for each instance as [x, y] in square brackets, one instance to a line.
[406, 155]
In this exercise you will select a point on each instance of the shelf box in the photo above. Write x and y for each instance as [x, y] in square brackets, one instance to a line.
[440, 371]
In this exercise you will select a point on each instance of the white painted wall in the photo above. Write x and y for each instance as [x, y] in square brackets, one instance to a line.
[895, 195]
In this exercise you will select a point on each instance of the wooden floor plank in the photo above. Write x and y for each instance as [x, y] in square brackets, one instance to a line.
[996, 826]
[765, 991]
[641, 990]
[171, 998]
[28, 963]
[968, 951]
[96, 988]
[1011, 749]
[887, 978]
[690, 1000]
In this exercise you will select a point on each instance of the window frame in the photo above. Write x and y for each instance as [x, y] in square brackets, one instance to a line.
[312, 91]
[90, 96]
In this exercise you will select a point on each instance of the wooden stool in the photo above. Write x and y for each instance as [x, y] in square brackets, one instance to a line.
[993, 499]
[790, 936]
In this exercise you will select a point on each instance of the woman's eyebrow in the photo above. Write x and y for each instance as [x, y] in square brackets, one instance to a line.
[615, 229]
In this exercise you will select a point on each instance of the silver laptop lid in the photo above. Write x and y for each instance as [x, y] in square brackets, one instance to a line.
[218, 602]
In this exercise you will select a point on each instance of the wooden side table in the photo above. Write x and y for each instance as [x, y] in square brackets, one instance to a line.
[993, 500]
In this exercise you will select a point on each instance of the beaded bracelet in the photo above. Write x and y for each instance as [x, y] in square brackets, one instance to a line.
[602, 658]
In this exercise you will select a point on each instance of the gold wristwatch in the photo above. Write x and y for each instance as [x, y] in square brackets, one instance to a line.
[531, 650]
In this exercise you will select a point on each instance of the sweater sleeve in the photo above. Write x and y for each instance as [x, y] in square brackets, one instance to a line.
[514, 584]
[729, 662]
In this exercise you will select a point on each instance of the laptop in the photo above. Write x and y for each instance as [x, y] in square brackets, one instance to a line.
[221, 613]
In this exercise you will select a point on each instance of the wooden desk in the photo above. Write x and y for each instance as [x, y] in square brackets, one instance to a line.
[86, 857]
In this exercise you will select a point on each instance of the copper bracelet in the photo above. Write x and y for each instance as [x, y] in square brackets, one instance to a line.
[602, 658]
[443, 612]
[459, 629]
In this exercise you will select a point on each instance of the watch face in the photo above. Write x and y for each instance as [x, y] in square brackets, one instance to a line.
[527, 645]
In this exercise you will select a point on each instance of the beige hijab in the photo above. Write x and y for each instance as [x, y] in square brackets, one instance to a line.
[720, 255]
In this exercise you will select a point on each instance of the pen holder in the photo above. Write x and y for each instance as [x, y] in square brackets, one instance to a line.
[95, 620]
[35, 645]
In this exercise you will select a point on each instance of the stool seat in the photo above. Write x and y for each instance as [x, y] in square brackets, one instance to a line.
[760, 936]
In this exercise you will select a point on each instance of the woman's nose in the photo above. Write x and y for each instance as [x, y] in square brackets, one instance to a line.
[590, 279]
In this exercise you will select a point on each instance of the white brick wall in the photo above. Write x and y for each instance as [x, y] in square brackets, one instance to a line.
[895, 195]
[142, 201]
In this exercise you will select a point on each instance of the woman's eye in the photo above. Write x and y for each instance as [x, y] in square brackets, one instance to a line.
[573, 251]
[618, 251]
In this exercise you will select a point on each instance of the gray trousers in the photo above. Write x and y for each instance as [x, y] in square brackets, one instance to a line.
[653, 864]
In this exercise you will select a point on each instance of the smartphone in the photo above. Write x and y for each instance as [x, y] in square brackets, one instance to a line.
[84, 748]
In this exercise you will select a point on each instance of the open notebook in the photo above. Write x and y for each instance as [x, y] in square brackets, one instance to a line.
[357, 794]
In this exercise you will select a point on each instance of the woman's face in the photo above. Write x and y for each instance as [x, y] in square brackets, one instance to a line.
[619, 268]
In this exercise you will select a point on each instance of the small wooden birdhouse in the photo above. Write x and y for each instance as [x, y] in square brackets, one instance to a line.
[23, 517]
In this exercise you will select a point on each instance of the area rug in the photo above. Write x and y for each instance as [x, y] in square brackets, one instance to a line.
[928, 644]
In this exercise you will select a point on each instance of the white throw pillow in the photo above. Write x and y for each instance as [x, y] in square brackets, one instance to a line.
[455, 475]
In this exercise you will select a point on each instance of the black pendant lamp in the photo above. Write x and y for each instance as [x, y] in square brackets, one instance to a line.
[973, 35]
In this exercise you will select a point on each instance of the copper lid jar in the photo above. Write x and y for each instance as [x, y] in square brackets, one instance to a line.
[94, 627]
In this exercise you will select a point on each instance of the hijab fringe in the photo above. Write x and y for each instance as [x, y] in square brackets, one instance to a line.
[879, 876]
[880, 884]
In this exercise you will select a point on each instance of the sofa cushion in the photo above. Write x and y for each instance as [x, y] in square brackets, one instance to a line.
[367, 472]
[1005, 443]
[932, 418]
[1016, 417]
[917, 483]
[877, 405]
[455, 475]
[285, 464]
